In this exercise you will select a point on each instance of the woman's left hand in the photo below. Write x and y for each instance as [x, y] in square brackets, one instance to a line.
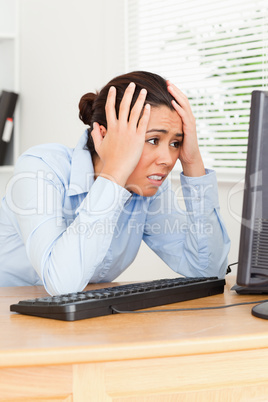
[189, 156]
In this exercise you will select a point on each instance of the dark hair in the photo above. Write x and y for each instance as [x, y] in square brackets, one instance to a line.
[92, 106]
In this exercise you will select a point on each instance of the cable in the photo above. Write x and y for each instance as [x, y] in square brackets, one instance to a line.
[186, 309]
[115, 310]
[229, 269]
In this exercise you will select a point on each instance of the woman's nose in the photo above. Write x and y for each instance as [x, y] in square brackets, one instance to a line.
[164, 156]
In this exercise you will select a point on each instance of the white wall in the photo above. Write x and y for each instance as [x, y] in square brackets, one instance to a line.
[68, 48]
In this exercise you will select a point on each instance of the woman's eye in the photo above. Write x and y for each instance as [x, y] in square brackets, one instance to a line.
[175, 144]
[153, 141]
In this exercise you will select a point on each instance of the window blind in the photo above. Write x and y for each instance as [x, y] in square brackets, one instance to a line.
[217, 53]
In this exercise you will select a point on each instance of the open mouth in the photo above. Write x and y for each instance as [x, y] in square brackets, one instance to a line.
[156, 180]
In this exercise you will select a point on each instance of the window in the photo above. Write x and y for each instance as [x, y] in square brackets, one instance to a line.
[216, 52]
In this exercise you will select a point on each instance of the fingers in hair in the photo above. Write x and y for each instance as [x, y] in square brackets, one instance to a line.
[143, 123]
[137, 108]
[124, 107]
[110, 106]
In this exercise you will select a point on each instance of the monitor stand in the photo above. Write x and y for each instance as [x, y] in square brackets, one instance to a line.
[247, 290]
[261, 310]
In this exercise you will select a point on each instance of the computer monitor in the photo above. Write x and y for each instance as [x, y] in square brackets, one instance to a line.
[252, 272]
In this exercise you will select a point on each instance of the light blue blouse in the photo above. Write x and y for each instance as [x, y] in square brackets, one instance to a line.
[62, 229]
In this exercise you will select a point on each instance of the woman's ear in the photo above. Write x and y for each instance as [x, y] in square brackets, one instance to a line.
[103, 131]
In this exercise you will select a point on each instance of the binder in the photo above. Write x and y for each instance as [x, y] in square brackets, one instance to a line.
[8, 102]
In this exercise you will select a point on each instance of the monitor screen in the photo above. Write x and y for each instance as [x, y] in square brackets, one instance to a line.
[252, 271]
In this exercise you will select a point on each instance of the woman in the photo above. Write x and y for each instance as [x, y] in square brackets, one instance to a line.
[73, 216]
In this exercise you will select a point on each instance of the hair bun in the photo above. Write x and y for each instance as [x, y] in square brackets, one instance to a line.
[86, 107]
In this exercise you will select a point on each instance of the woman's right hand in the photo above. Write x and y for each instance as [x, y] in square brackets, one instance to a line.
[120, 146]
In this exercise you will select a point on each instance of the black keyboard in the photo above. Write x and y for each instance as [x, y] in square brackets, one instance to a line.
[104, 301]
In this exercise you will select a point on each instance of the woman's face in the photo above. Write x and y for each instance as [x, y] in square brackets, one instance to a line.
[160, 152]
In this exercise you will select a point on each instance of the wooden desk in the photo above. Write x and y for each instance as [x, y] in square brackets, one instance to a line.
[213, 355]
